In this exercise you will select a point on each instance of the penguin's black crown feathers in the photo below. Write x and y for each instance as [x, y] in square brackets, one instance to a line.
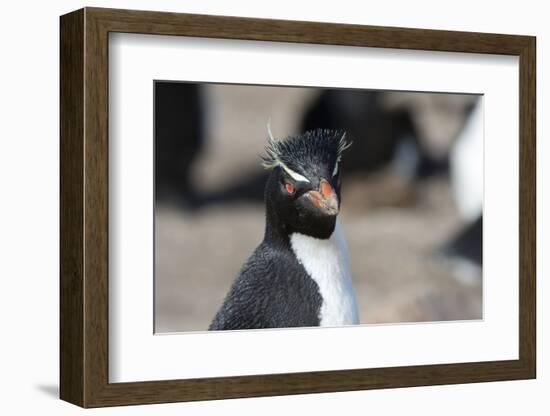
[314, 147]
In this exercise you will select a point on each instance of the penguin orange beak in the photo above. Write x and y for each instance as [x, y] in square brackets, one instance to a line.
[324, 199]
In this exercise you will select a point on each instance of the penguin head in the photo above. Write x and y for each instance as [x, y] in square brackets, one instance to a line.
[303, 188]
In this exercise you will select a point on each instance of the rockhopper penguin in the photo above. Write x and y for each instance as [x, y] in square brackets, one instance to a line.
[299, 275]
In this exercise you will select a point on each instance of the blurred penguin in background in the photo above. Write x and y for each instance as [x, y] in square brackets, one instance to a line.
[464, 251]
[179, 139]
[382, 136]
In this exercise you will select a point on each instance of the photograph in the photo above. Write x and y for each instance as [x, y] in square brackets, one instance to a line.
[295, 207]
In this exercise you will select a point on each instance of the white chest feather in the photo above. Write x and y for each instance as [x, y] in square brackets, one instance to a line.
[327, 262]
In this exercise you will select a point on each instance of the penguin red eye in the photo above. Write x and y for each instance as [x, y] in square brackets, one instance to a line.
[289, 188]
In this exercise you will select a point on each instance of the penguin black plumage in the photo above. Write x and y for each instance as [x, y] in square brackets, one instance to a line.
[299, 275]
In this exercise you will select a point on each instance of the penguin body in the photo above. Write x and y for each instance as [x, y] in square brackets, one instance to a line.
[327, 264]
[273, 290]
[299, 275]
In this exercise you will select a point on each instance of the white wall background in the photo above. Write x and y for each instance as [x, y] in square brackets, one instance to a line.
[30, 192]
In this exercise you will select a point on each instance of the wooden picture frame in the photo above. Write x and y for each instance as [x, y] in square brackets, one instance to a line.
[84, 207]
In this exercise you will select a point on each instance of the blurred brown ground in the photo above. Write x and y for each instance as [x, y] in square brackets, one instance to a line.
[393, 231]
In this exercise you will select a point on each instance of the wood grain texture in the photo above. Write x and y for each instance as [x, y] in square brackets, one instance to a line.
[527, 208]
[71, 213]
[96, 221]
[84, 206]
[225, 27]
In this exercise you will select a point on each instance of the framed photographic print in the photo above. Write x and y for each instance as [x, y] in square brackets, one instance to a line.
[256, 207]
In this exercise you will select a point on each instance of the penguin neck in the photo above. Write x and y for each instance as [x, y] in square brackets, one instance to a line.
[276, 231]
